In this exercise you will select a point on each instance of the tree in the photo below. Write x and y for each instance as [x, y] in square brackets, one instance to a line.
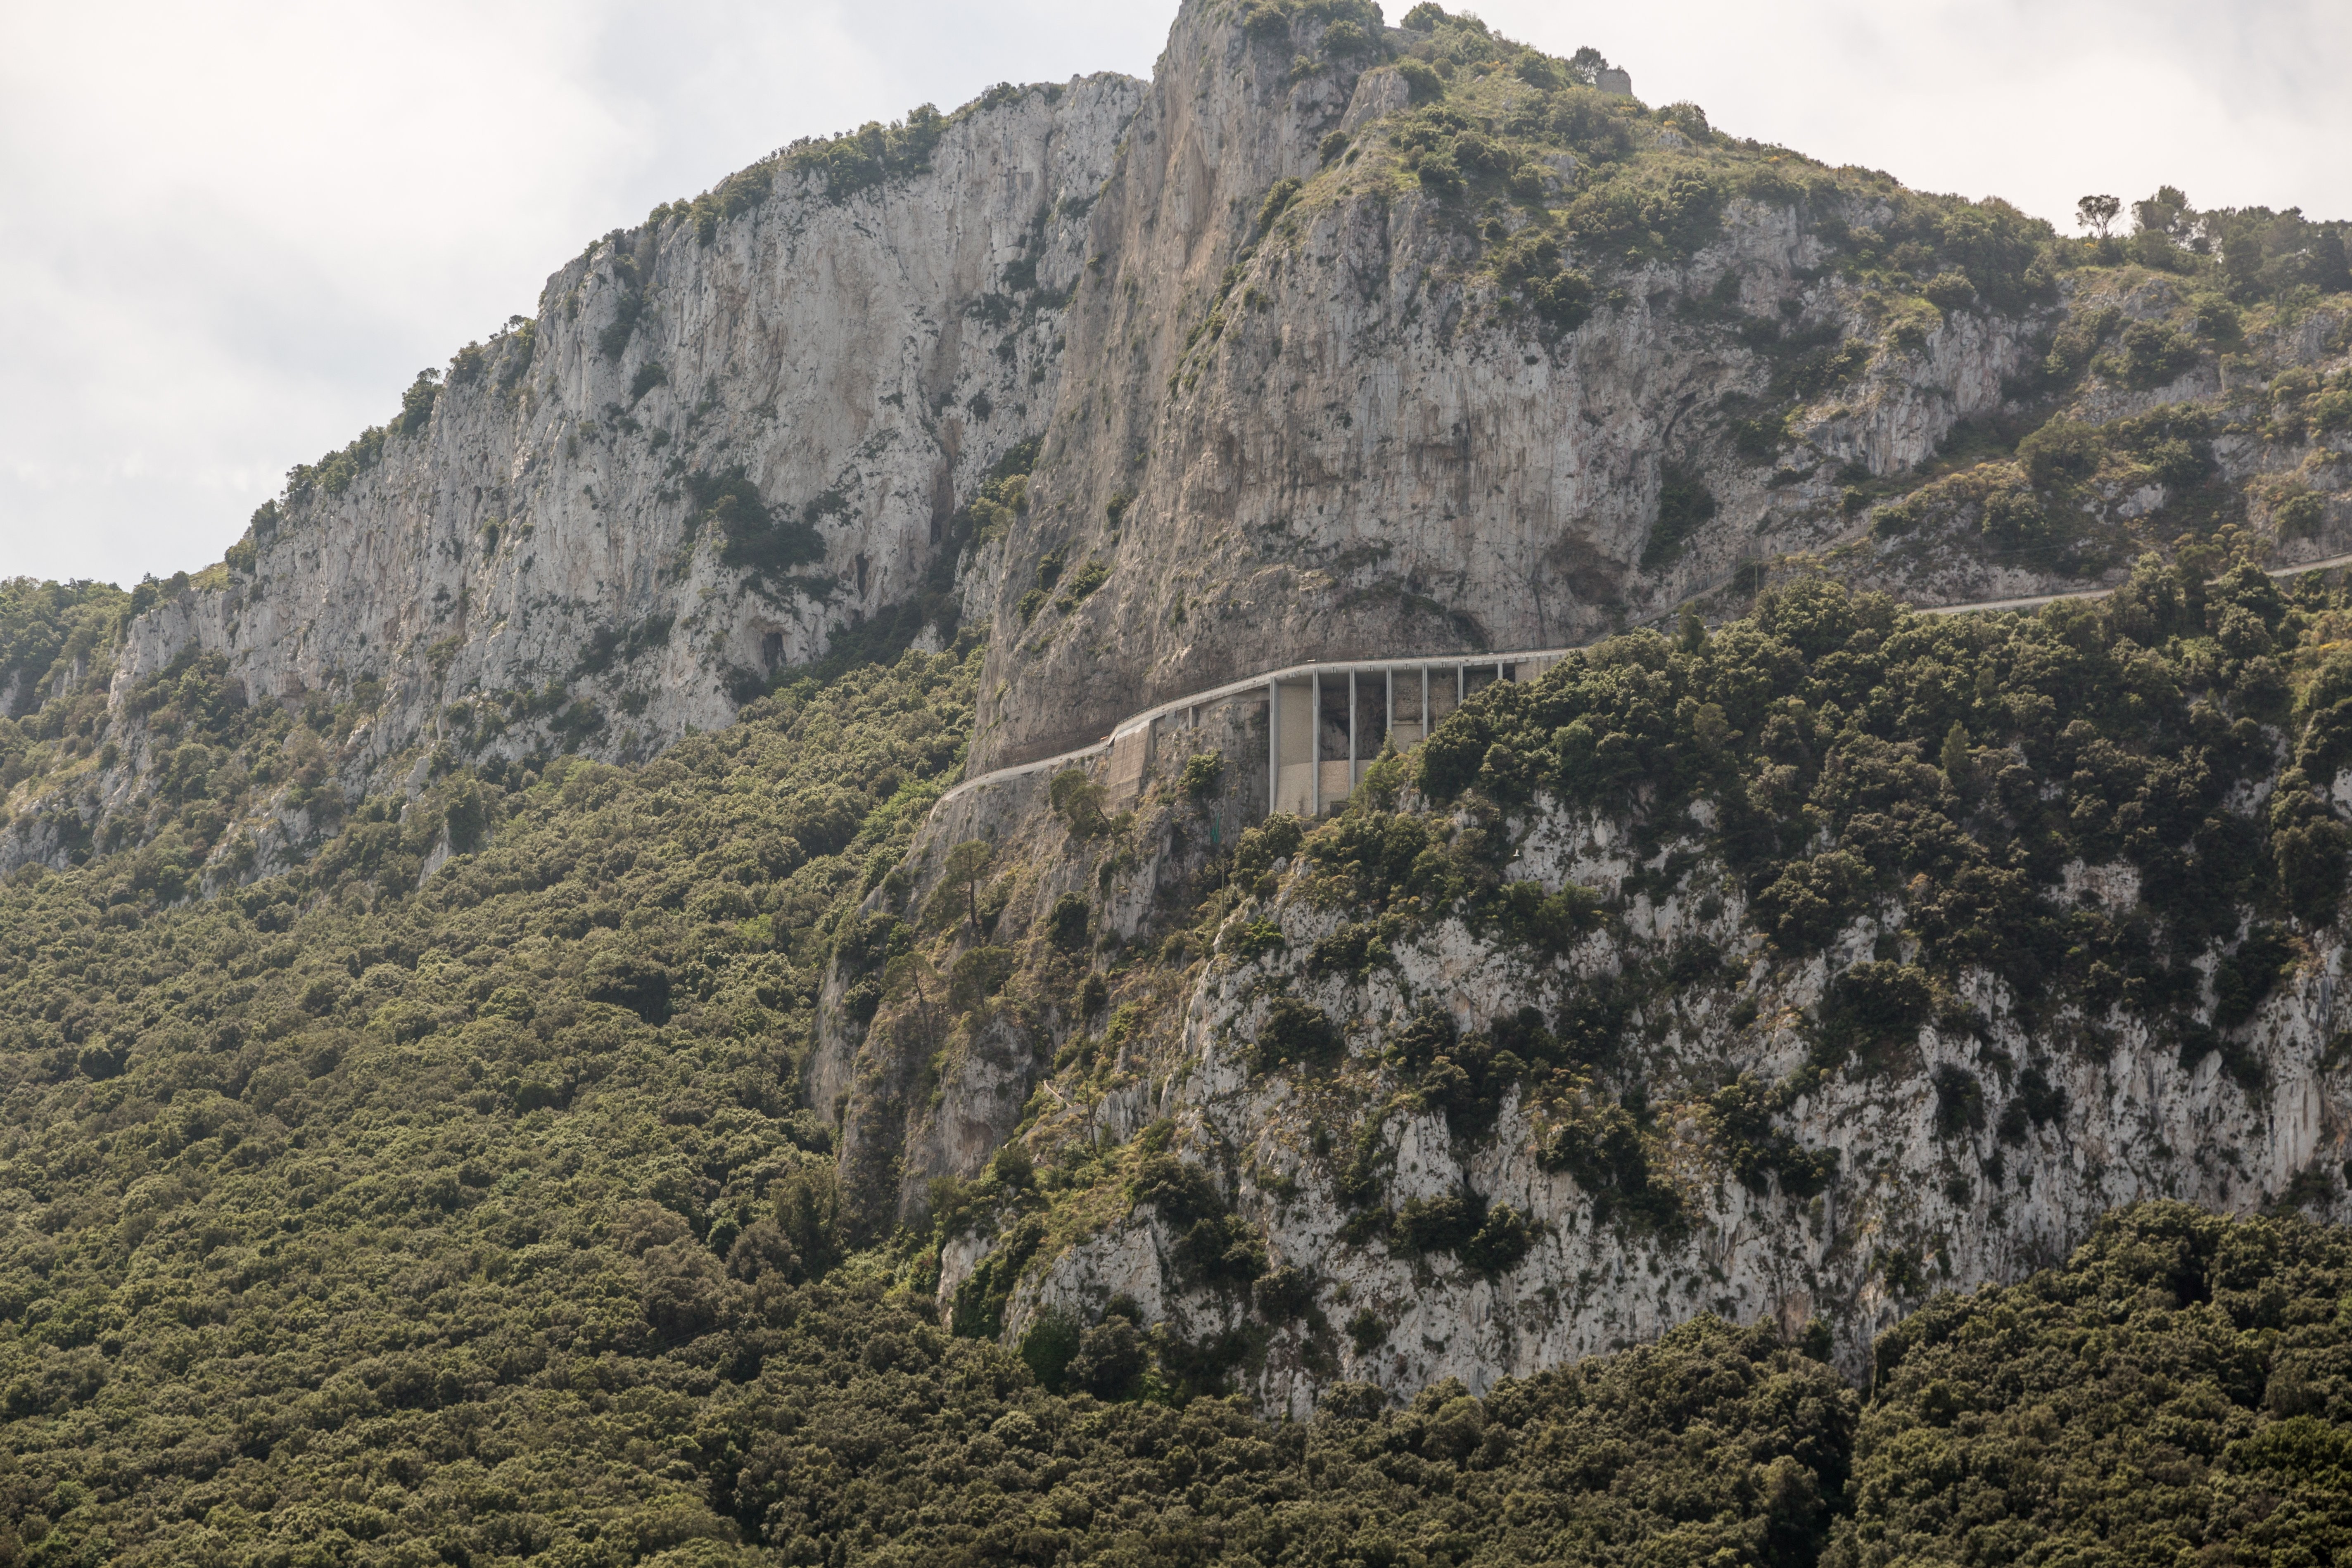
[1078, 801]
[2166, 213]
[967, 862]
[1204, 774]
[2097, 212]
[1955, 756]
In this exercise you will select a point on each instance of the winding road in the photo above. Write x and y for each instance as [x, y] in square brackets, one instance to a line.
[1471, 661]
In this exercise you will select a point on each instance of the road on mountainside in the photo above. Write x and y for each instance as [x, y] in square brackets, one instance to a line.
[1234, 688]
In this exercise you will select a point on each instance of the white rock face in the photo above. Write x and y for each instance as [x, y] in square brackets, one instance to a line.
[1912, 1207]
[862, 361]
[1328, 442]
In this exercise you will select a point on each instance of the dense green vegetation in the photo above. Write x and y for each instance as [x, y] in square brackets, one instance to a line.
[1856, 758]
[336, 1203]
[363, 1216]
[2177, 1393]
[352, 1220]
[1855, 752]
[45, 630]
[54, 638]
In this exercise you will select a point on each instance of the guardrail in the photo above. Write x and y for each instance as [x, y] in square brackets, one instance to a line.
[1137, 725]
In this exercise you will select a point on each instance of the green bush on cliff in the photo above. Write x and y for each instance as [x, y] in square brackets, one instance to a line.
[865, 157]
[752, 536]
[2113, 731]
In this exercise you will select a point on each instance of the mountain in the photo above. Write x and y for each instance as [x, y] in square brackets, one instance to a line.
[555, 1011]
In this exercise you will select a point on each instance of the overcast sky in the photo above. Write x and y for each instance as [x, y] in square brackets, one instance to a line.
[235, 231]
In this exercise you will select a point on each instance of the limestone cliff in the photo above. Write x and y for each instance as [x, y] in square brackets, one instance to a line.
[1927, 1196]
[728, 434]
[1759, 1012]
[1336, 338]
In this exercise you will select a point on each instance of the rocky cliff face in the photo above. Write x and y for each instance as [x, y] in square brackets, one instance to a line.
[1263, 1100]
[1337, 339]
[730, 434]
[1326, 431]
[1935, 1190]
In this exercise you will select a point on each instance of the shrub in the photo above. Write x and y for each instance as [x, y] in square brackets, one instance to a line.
[1078, 800]
[1532, 273]
[2062, 452]
[873, 153]
[1285, 1295]
[1949, 290]
[1960, 1101]
[1111, 1361]
[1065, 925]
[416, 403]
[1812, 900]
[1204, 774]
[1278, 197]
[1503, 1238]
[2151, 355]
[754, 539]
[1295, 1034]
[2246, 978]
[1088, 578]
[1442, 1223]
[1049, 1346]
[1552, 922]
[2299, 514]
[1874, 1008]
[1421, 80]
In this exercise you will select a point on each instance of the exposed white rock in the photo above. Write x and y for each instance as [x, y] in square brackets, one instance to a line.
[863, 360]
[1959, 1205]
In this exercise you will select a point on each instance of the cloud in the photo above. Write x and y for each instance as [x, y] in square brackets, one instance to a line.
[2038, 102]
[239, 226]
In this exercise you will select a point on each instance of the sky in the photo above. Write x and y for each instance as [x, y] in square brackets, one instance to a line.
[232, 231]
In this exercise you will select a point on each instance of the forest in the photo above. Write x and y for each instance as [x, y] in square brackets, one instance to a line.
[352, 1220]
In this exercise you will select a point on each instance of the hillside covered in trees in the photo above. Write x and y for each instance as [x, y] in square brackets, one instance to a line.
[351, 1219]
[351, 1222]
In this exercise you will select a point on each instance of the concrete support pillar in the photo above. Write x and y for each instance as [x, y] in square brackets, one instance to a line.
[1388, 735]
[1315, 749]
[1273, 746]
[1352, 731]
[1424, 702]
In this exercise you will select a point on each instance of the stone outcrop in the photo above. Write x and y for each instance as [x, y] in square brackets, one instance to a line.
[530, 566]
[1926, 1195]
[1324, 439]
[1286, 413]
